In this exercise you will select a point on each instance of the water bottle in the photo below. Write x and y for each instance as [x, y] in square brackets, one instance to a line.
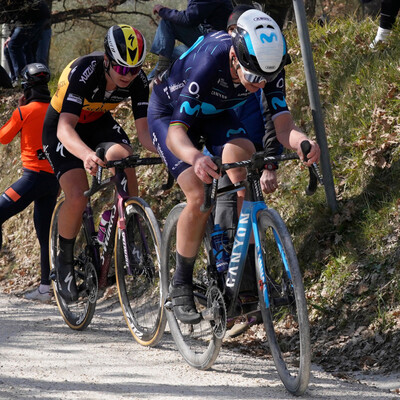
[219, 241]
[104, 220]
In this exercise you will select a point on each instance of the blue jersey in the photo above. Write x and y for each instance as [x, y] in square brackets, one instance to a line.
[197, 92]
[199, 83]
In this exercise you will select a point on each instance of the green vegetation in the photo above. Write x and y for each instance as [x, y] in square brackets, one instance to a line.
[350, 260]
[360, 93]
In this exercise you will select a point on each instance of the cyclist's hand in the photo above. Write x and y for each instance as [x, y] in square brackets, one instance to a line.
[313, 155]
[268, 181]
[205, 169]
[91, 162]
[157, 8]
[22, 101]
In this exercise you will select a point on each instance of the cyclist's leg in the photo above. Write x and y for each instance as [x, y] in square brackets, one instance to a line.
[116, 151]
[47, 191]
[17, 197]
[111, 136]
[190, 225]
[190, 232]
[238, 150]
[73, 183]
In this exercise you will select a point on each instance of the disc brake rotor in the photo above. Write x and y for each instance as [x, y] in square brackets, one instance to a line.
[216, 302]
[91, 282]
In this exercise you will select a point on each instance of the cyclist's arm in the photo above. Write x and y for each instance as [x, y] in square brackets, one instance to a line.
[143, 133]
[195, 13]
[10, 129]
[68, 136]
[291, 136]
[270, 142]
[182, 147]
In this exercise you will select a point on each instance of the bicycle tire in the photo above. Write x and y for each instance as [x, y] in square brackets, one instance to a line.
[197, 343]
[79, 314]
[139, 287]
[286, 319]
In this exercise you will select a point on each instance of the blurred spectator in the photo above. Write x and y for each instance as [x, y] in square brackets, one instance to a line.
[389, 11]
[30, 23]
[6, 53]
[199, 18]
[277, 9]
[38, 183]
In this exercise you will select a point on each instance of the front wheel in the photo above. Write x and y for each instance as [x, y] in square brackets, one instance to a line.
[199, 344]
[282, 302]
[138, 282]
[78, 314]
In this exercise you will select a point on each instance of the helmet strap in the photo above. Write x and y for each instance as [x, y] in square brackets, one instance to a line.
[107, 66]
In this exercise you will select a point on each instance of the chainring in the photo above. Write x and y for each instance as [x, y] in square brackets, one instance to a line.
[216, 302]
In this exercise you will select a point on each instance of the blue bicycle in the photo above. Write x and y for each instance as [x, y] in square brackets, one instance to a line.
[280, 299]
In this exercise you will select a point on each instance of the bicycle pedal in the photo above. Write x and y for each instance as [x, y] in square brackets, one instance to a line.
[168, 305]
[52, 275]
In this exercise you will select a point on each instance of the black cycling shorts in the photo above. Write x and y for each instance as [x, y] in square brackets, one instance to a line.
[103, 130]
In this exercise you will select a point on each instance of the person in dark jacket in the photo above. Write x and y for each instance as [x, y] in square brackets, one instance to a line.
[31, 19]
[199, 18]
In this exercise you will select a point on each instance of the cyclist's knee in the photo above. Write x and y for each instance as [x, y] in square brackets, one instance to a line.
[237, 150]
[118, 151]
[76, 200]
[195, 200]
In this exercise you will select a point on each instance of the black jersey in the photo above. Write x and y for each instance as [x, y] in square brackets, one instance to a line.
[82, 90]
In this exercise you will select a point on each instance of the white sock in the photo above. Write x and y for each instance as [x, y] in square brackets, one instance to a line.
[44, 289]
[382, 35]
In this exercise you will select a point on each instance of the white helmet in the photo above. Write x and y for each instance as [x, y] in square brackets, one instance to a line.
[259, 44]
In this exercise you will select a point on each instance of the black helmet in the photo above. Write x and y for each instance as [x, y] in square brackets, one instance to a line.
[34, 74]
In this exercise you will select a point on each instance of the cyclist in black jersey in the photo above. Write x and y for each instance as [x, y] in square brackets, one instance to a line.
[79, 120]
[194, 99]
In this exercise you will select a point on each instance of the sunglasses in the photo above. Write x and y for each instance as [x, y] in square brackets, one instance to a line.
[119, 69]
[252, 78]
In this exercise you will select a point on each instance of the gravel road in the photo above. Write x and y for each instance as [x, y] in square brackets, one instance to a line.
[41, 358]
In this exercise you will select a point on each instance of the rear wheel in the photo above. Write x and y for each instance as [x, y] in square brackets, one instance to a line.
[199, 344]
[138, 284]
[283, 304]
[78, 314]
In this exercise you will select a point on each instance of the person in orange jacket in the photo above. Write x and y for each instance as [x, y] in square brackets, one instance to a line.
[38, 183]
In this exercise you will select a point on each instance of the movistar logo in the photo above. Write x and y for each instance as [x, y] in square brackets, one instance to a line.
[276, 102]
[187, 108]
[265, 38]
[233, 132]
[205, 108]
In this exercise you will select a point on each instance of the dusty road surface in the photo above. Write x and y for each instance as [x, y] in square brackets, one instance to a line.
[41, 358]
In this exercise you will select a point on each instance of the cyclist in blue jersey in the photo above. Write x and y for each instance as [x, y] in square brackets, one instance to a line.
[195, 99]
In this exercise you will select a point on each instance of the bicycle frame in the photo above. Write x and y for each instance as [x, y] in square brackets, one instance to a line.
[117, 218]
[247, 224]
